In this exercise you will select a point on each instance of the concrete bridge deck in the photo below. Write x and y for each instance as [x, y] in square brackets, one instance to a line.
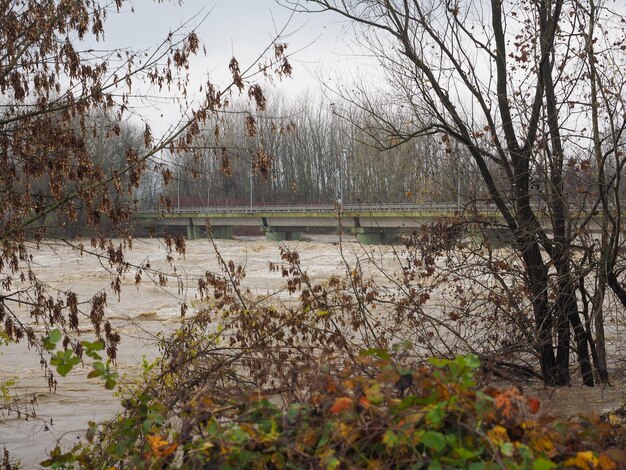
[372, 223]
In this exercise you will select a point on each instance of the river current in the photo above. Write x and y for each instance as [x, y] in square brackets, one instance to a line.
[143, 312]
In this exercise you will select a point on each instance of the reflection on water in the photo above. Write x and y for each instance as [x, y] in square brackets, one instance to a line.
[142, 313]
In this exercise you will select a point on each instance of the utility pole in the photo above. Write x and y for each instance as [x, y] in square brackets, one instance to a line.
[341, 175]
[250, 190]
[339, 178]
[178, 193]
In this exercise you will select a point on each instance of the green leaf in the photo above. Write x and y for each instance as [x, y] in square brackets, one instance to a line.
[94, 373]
[91, 431]
[50, 341]
[55, 335]
[379, 353]
[477, 466]
[110, 383]
[471, 361]
[543, 464]
[238, 436]
[390, 439]
[434, 440]
[333, 463]
[507, 449]
[402, 346]
[64, 368]
[467, 454]
[326, 435]
[436, 414]
[95, 346]
[438, 362]
[435, 465]
[91, 348]
[64, 361]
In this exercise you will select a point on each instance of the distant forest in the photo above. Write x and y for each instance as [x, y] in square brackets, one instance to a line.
[291, 153]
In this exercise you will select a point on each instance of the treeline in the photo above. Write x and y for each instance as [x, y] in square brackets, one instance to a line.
[303, 151]
[293, 153]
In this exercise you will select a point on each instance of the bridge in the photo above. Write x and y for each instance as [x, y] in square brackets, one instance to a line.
[371, 223]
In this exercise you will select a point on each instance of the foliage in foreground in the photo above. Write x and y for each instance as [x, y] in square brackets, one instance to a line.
[430, 418]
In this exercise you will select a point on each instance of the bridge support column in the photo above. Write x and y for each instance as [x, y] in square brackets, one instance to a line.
[221, 232]
[194, 232]
[375, 235]
[282, 234]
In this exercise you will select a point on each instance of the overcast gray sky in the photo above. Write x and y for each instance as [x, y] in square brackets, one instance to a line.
[241, 28]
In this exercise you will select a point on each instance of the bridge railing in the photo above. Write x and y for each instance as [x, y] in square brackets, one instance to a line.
[328, 208]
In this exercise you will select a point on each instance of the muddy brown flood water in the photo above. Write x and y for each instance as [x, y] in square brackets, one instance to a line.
[140, 314]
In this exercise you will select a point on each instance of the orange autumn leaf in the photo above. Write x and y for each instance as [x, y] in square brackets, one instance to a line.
[160, 447]
[364, 402]
[505, 402]
[606, 463]
[341, 404]
[533, 405]
[316, 399]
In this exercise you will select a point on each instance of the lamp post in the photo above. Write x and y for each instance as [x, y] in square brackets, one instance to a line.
[339, 178]
[341, 175]
[250, 190]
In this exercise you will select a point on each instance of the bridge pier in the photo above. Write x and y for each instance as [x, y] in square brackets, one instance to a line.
[218, 232]
[194, 232]
[221, 232]
[375, 235]
[283, 234]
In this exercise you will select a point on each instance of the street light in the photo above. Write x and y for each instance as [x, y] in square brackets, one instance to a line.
[341, 169]
[250, 190]
[339, 177]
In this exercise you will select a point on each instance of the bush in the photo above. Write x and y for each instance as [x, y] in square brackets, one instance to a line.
[432, 417]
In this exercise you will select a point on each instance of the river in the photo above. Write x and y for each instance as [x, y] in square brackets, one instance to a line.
[143, 312]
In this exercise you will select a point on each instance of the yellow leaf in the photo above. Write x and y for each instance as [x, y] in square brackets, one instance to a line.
[498, 435]
[347, 432]
[615, 419]
[543, 444]
[159, 446]
[374, 394]
[249, 430]
[583, 460]
[375, 465]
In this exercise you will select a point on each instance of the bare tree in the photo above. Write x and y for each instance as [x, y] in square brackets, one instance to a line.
[509, 82]
[56, 160]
